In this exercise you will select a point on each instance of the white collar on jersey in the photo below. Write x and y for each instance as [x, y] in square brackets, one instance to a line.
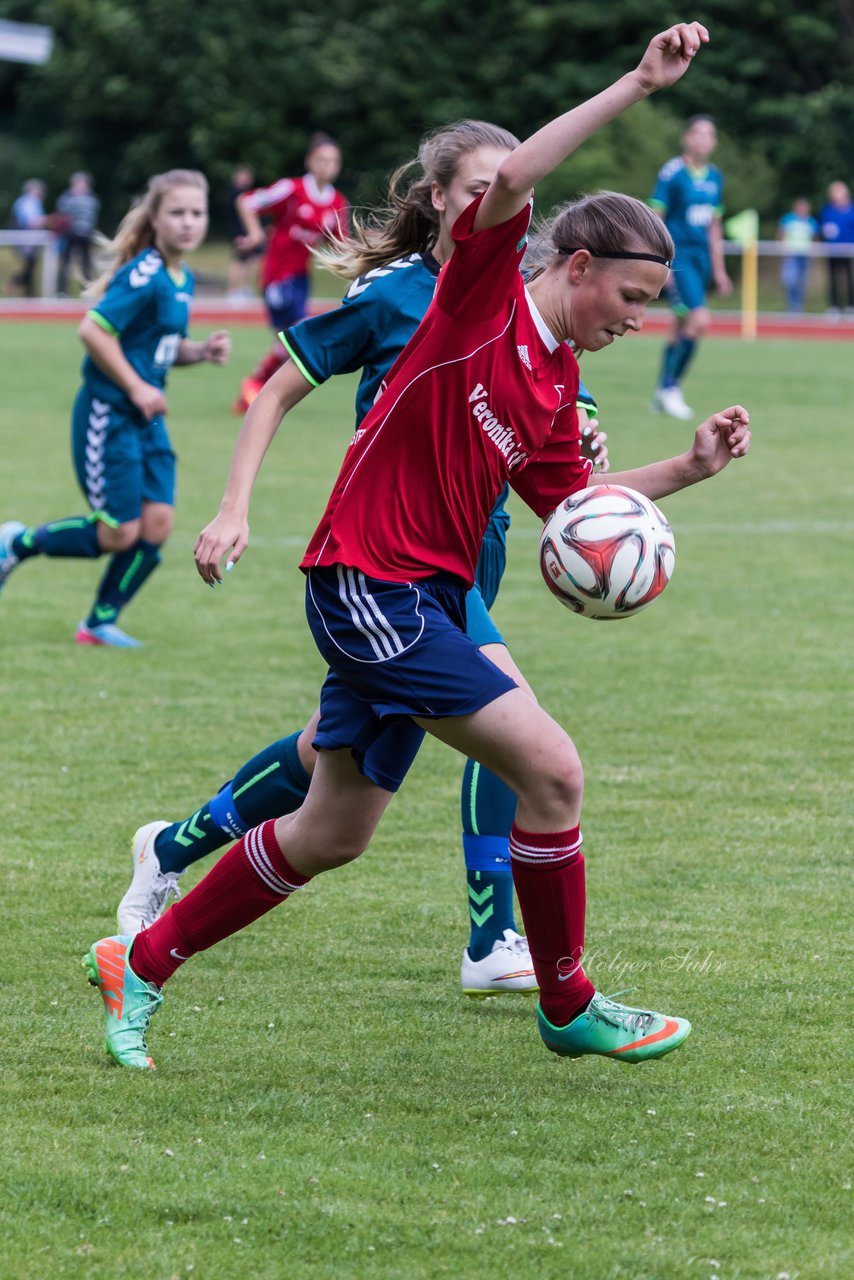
[542, 328]
[326, 196]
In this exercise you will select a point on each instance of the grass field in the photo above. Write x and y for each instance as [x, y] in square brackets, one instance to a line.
[327, 1103]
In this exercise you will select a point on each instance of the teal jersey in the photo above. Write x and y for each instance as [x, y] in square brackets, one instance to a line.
[147, 307]
[689, 200]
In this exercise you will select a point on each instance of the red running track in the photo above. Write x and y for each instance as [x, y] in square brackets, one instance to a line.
[216, 311]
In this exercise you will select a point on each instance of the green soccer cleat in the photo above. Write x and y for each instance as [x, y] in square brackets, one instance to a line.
[614, 1031]
[129, 1003]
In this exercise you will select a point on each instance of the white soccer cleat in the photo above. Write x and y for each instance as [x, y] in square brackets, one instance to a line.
[150, 889]
[506, 970]
[8, 560]
[671, 401]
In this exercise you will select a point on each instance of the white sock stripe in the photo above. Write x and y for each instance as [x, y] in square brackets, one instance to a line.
[268, 863]
[545, 851]
[342, 593]
[263, 867]
[538, 856]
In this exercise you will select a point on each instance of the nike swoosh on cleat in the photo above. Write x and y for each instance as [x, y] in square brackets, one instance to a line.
[519, 973]
[177, 955]
[670, 1026]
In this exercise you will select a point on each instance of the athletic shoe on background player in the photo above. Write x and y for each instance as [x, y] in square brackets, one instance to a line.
[507, 968]
[249, 389]
[614, 1031]
[8, 560]
[671, 401]
[129, 1003]
[150, 889]
[106, 633]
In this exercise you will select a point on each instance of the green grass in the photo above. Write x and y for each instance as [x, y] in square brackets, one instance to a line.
[327, 1104]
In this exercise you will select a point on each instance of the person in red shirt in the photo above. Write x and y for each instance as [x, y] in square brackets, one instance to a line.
[304, 212]
[483, 394]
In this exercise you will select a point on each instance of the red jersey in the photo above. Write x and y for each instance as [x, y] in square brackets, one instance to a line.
[303, 216]
[482, 394]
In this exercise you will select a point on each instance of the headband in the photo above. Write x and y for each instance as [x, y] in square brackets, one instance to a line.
[641, 257]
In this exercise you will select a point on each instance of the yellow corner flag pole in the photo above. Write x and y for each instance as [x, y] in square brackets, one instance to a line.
[744, 227]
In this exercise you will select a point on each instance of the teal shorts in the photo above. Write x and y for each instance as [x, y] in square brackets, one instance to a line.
[481, 597]
[121, 460]
[689, 280]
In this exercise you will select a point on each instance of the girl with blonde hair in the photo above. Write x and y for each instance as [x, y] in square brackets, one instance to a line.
[134, 332]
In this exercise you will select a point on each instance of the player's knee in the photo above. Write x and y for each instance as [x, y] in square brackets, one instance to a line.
[118, 537]
[566, 780]
[697, 323]
[157, 525]
[556, 786]
[338, 852]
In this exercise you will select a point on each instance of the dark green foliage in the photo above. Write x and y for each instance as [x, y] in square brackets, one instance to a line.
[136, 86]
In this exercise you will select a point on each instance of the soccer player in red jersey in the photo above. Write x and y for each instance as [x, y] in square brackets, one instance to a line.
[483, 394]
[304, 211]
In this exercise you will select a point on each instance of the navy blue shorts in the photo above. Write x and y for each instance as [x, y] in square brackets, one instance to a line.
[394, 650]
[287, 301]
[121, 461]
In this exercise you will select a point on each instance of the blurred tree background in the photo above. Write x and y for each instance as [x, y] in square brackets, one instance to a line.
[136, 86]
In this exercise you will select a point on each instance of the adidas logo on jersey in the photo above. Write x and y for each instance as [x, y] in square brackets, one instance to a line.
[524, 357]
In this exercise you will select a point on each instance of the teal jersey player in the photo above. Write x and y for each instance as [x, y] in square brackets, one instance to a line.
[688, 195]
[147, 307]
[689, 200]
[122, 452]
[376, 319]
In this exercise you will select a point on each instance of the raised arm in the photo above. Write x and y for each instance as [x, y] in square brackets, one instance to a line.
[228, 532]
[666, 60]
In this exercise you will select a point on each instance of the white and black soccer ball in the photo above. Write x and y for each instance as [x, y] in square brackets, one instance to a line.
[607, 552]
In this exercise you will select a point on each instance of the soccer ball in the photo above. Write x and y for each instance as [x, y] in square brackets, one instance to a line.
[607, 552]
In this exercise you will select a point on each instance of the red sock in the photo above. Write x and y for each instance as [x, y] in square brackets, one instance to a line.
[248, 881]
[265, 368]
[548, 874]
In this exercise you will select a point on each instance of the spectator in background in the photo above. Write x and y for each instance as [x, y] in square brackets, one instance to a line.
[28, 215]
[797, 230]
[837, 227]
[242, 180]
[79, 208]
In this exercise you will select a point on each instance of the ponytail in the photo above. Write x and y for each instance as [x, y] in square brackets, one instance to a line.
[407, 222]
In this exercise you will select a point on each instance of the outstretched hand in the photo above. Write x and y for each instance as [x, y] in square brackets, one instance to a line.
[724, 436]
[669, 55]
[225, 535]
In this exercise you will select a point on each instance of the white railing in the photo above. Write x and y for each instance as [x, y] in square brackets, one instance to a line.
[48, 242]
[779, 249]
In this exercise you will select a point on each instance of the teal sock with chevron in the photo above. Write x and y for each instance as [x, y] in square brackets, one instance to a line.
[125, 574]
[490, 895]
[273, 782]
[488, 809]
[75, 538]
